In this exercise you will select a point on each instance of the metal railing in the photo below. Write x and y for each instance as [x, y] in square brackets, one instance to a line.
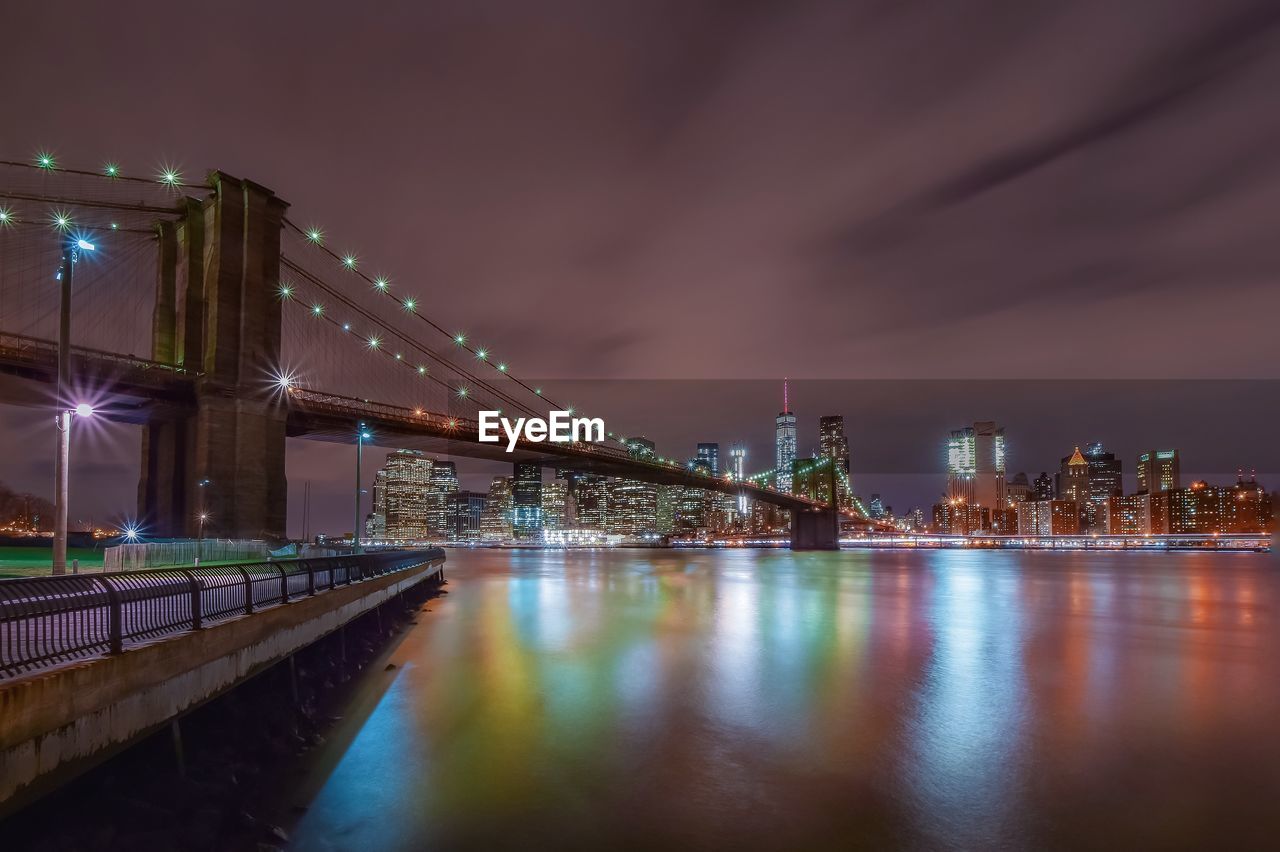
[48, 620]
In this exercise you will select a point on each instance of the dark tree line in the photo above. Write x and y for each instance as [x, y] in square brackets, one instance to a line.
[24, 510]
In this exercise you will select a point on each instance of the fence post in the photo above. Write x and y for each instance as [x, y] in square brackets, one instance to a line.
[248, 590]
[196, 609]
[284, 584]
[115, 630]
[311, 577]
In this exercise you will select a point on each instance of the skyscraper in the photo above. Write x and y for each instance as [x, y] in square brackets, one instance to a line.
[466, 511]
[833, 444]
[443, 485]
[495, 523]
[975, 465]
[785, 441]
[710, 453]
[1158, 470]
[592, 499]
[526, 501]
[406, 486]
[557, 506]
[738, 468]
[633, 508]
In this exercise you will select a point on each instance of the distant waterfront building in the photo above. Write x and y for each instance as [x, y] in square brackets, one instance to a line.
[1131, 514]
[495, 524]
[405, 490]
[633, 508]
[557, 506]
[738, 468]
[875, 507]
[526, 502]
[1200, 508]
[710, 453]
[1072, 481]
[834, 444]
[466, 509]
[593, 502]
[1048, 518]
[667, 496]
[375, 527]
[1042, 488]
[1018, 489]
[1158, 470]
[975, 464]
[784, 441]
[443, 485]
[956, 517]
[1249, 509]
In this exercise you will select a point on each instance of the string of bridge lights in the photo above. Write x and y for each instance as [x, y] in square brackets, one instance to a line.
[167, 174]
[380, 330]
[170, 176]
[349, 261]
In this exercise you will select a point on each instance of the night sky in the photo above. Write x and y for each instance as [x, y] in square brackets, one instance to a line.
[739, 190]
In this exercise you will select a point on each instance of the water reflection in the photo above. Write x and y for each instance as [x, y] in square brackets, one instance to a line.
[763, 699]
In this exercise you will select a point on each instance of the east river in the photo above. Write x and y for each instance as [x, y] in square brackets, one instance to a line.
[661, 699]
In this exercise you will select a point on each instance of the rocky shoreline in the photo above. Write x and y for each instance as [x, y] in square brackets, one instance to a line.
[217, 791]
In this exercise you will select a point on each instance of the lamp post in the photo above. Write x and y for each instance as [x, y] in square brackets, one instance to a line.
[62, 455]
[362, 435]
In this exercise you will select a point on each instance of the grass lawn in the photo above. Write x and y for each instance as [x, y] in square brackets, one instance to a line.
[37, 561]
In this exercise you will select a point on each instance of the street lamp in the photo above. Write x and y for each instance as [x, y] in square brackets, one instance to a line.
[362, 435]
[202, 517]
[62, 466]
[70, 254]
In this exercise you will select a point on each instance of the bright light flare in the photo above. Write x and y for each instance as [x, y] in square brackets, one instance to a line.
[410, 305]
[482, 354]
[374, 341]
[317, 310]
[285, 381]
[349, 260]
[315, 235]
[381, 282]
[460, 339]
[46, 160]
[84, 409]
[131, 532]
[61, 220]
[111, 170]
[6, 216]
[84, 245]
[285, 291]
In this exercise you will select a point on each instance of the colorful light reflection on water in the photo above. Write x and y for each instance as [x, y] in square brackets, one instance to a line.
[873, 699]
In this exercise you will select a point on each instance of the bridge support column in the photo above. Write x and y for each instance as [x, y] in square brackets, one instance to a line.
[218, 312]
[816, 529]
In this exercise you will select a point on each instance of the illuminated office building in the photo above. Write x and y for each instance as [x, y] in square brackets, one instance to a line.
[833, 444]
[443, 485]
[404, 492]
[738, 468]
[633, 508]
[495, 524]
[592, 501]
[526, 502]
[709, 452]
[1158, 470]
[557, 506]
[467, 510]
[975, 465]
[784, 441]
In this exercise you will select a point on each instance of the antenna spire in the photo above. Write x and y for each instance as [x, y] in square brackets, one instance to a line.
[786, 406]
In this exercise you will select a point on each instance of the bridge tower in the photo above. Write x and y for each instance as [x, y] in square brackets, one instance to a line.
[818, 529]
[217, 311]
